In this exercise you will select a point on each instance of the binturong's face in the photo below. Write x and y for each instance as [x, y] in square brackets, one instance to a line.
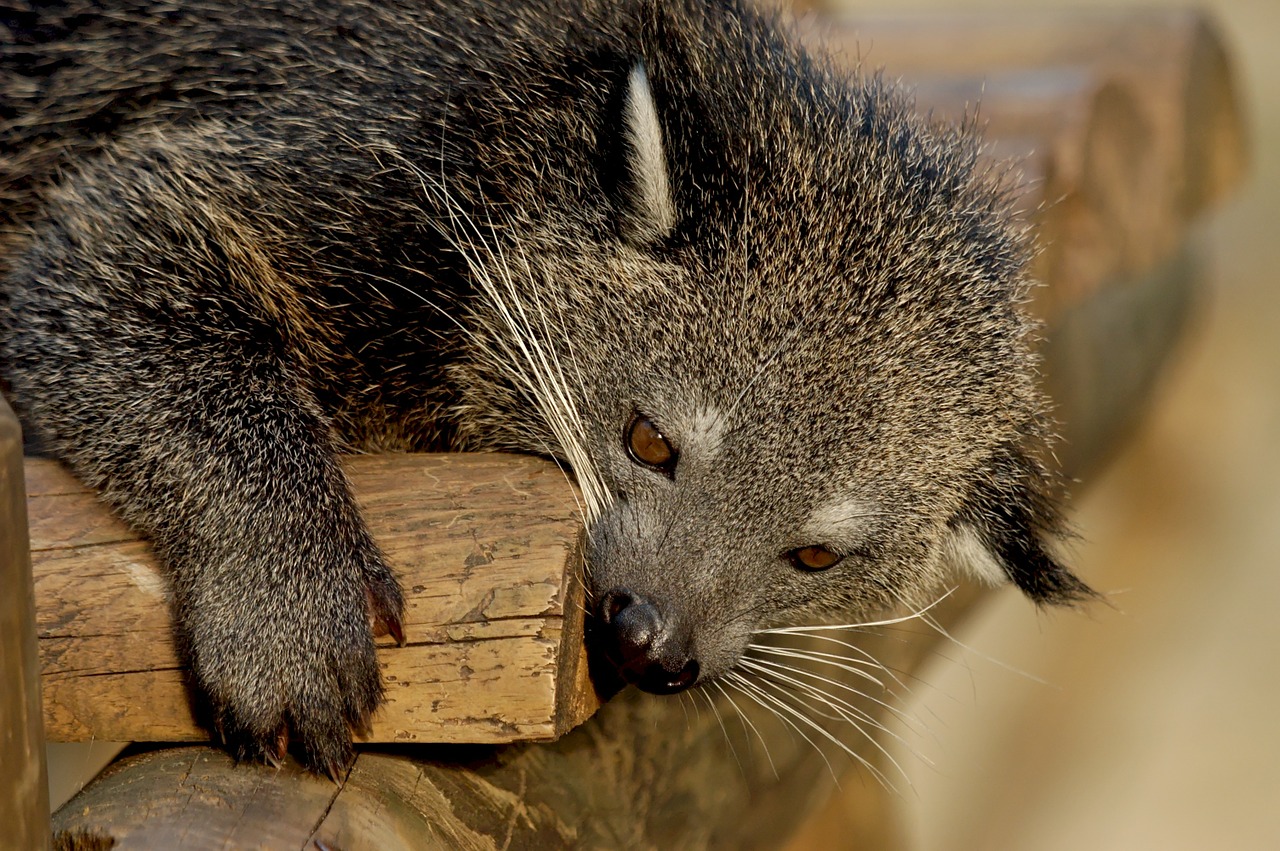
[796, 393]
[765, 469]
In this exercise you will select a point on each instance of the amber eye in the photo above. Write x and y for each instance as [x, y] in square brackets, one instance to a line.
[813, 558]
[646, 445]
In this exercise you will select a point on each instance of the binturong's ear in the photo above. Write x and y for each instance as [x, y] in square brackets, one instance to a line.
[1003, 531]
[647, 211]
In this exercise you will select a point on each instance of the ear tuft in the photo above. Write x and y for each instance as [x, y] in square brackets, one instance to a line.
[650, 214]
[1002, 531]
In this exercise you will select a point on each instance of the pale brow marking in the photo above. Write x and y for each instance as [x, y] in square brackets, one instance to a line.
[847, 522]
[705, 435]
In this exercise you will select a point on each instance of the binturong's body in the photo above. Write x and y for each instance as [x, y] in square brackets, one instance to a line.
[766, 314]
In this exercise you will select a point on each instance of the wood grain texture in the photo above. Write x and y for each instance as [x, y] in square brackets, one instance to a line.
[485, 549]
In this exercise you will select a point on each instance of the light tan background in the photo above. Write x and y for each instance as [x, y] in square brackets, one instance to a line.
[1158, 726]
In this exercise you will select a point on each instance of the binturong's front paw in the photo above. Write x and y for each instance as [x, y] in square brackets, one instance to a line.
[284, 654]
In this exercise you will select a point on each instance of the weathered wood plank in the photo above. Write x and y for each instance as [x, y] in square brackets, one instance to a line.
[484, 546]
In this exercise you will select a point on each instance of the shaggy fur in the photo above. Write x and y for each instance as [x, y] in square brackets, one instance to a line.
[239, 238]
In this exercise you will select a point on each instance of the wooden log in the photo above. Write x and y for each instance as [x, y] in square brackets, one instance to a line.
[646, 772]
[484, 546]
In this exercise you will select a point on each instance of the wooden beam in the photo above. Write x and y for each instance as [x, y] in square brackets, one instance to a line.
[483, 544]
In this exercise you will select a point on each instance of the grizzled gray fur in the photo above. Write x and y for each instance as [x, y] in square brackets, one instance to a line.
[767, 315]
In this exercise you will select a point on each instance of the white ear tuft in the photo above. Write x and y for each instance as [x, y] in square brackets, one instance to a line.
[963, 549]
[651, 214]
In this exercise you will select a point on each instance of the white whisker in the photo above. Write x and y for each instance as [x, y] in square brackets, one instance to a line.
[833, 659]
[772, 704]
[937, 627]
[523, 354]
[851, 716]
[778, 701]
[720, 719]
[785, 672]
[746, 721]
[870, 660]
[792, 630]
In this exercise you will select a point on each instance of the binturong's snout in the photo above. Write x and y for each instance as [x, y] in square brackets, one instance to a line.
[643, 644]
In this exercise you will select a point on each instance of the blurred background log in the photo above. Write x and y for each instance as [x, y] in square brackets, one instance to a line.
[1131, 128]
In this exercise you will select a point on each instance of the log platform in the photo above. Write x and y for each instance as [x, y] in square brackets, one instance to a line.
[1129, 132]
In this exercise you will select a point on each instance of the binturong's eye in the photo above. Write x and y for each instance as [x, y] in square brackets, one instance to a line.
[812, 558]
[647, 446]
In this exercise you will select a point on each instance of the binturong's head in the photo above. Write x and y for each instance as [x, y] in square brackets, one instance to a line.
[789, 371]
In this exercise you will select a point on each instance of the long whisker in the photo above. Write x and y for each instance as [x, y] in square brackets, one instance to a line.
[544, 380]
[845, 712]
[868, 658]
[778, 702]
[937, 627]
[793, 630]
[790, 669]
[853, 666]
[746, 721]
[772, 704]
[720, 719]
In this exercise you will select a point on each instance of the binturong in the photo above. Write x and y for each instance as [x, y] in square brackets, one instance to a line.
[767, 316]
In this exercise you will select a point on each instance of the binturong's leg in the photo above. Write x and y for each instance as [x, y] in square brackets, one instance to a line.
[148, 337]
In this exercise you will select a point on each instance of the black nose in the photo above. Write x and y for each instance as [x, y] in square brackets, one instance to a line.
[643, 648]
[635, 622]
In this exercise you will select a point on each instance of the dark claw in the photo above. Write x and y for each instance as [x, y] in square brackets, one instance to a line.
[294, 693]
[336, 771]
[397, 631]
[275, 753]
[386, 621]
